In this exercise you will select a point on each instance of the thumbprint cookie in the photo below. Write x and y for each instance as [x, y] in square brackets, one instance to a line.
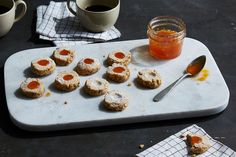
[63, 56]
[96, 86]
[115, 100]
[120, 57]
[43, 66]
[32, 87]
[149, 78]
[88, 66]
[198, 144]
[67, 81]
[118, 73]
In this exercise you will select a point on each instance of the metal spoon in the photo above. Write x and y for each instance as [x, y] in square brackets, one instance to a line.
[192, 69]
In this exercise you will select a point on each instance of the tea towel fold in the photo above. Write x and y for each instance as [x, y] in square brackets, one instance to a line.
[57, 24]
[175, 146]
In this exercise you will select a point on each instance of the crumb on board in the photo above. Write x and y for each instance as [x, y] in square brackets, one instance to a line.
[48, 93]
[129, 84]
[103, 56]
[65, 102]
[141, 146]
[183, 137]
[219, 137]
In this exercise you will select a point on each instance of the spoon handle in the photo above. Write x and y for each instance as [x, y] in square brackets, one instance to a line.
[165, 91]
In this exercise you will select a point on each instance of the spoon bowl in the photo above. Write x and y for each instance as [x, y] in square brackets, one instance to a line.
[196, 65]
[192, 69]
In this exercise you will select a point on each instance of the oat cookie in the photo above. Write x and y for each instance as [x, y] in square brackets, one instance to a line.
[96, 86]
[115, 100]
[118, 73]
[120, 57]
[67, 81]
[88, 66]
[149, 78]
[43, 66]
[32, 87]
[63, 56]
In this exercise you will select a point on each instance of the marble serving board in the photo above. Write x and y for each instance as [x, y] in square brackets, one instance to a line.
[191, 98]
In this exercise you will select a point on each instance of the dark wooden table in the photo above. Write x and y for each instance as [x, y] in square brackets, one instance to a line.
[211, 21]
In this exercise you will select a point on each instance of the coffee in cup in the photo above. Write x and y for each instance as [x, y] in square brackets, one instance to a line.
[7, 14]
[96, 15]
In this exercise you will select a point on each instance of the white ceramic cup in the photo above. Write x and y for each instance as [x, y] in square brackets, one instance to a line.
[8, 18]
[96, 21]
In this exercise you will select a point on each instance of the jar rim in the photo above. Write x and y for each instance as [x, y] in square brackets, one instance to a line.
[177, 20]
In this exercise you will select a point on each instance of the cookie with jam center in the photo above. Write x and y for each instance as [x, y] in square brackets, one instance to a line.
[198, 143]
[43, 66]
[67, 81]
[32, 87]
[118, 73]
[88, 66]
[63, 56]
[120, 57]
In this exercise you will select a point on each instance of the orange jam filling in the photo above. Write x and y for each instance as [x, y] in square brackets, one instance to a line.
[88, 61]
[64, 52]
[33, 85]
[43, 62]
[193, 69]
[118, 69]
[164, 44]
[195, 139]
[120, 55]
[68, 77]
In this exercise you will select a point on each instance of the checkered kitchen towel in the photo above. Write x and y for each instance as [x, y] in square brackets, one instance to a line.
[56, 23]
[175, 146]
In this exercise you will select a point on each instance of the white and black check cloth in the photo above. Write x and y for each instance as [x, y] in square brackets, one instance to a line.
[56, 23]
[175, 146]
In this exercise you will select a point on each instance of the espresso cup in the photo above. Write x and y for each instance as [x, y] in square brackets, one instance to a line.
[96, 15]
[7, 14]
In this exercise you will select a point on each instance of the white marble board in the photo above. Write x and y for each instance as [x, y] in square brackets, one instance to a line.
[191, 98]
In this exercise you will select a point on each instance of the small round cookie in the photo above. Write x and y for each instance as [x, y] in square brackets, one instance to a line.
[32, 87]
[198, 143]
[96, 86]
[115, 100]
[88, 66]
[120, 57]
[118, 73]
[149, 78]
[67, 81]
[63, 56]
[43, 66]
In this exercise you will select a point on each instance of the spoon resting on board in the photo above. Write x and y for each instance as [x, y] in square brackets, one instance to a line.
[192, 69]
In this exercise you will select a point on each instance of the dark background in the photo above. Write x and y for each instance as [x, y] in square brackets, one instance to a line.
[213, 22]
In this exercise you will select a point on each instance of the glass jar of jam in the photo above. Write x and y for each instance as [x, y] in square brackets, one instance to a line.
[166, 35]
